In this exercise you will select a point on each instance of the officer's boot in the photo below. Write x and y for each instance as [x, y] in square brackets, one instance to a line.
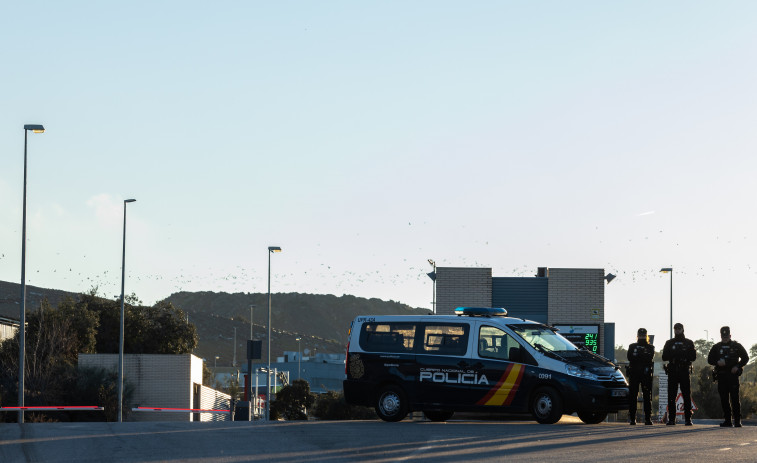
[648, 420]
[727, 423]
[632, 419]
[737, 421]
[688, 418]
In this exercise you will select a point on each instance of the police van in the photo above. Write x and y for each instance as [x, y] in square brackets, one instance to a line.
[478, 360]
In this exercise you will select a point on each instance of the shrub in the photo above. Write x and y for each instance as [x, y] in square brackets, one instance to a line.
[331, 406]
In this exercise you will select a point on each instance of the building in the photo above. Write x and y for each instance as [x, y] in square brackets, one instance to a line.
[572, 299]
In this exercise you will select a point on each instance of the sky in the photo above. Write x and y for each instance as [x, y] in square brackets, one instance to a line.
[364, 138]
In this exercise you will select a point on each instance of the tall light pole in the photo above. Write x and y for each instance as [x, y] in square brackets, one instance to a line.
[432, 275]
[121, 326]
[271, 249]
[298, 356]
[670, 270]
[35, 128]
[252, 307]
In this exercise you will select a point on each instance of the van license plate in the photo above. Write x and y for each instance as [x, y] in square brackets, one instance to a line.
[619, 393]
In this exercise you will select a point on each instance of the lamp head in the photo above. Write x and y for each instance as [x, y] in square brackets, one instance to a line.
[129, 200]
[36, 128]
[274, 249]
[666, 269]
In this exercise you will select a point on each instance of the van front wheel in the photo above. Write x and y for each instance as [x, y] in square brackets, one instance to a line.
[592, 417]
[546, 406]
[391, 404]
[438, 415]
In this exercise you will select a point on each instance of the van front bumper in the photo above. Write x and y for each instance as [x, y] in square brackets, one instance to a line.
[604, 397]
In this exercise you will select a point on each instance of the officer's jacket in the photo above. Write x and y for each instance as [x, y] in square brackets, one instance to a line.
[732, 352]
[640, 358]
[679, 351]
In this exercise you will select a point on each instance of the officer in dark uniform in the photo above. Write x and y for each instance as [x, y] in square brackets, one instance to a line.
[729, 358]
[679, 352]
[640, 367]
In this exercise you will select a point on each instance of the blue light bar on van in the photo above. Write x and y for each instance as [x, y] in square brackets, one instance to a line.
[481, 311]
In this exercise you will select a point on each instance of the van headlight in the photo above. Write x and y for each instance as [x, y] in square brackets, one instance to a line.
[573, 370]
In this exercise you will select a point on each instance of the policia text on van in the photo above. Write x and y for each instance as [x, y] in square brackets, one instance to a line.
[478, 361]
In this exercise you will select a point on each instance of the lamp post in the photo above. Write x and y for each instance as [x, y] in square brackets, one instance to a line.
[35, 128]
[432, 275]
[121, 326]
[271, 249]
[670, 270]
[252, 307]
[298, 356]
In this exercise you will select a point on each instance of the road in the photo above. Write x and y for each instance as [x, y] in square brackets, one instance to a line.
[371, 441]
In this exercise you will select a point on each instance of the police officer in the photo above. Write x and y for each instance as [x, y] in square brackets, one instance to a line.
[679, 352]
[729, 358]
[640, 367]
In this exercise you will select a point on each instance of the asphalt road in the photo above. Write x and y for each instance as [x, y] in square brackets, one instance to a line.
[371, 441]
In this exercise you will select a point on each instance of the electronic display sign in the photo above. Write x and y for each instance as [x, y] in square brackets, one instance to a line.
[581, 335]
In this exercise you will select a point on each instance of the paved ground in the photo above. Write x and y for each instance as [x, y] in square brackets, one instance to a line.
[372, 441]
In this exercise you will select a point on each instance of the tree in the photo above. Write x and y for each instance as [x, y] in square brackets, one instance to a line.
[753, 353]
[292, 401]
[55, 338]
[703, 347]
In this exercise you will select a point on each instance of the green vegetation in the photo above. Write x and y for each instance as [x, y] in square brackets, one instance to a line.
[331, 406]
[293, 401]
[54, 339]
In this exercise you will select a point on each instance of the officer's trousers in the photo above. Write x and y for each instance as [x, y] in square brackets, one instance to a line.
[645, 381]
[679, 377]
[728, 388]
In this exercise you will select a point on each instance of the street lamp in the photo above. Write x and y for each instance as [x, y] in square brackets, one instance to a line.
[121, 328]
[271, 249]
[670, 270]
[432, 275]
[298, 356]
[35, 128]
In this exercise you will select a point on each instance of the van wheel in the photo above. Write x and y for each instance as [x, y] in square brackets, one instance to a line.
[391, 404]
[546, 406]
[438, 415]
[592, 417]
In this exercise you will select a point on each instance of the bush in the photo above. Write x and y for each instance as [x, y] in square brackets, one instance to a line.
[292, 401]
[331, 406]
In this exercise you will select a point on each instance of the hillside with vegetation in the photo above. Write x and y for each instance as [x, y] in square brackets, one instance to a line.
[320, 320]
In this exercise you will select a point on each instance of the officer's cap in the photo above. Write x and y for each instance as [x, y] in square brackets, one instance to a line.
[725, 331]
[641, 332]
[678, 326]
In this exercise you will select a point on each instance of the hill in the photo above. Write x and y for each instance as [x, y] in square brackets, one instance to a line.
[321, 320]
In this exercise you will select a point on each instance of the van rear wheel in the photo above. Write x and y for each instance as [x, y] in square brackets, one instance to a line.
[546, 406]
[391, 404]
[592, 417]
[438, 415]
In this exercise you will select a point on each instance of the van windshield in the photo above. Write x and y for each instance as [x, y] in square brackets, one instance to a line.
[543, 339]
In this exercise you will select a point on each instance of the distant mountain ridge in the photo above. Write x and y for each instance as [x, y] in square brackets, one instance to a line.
[321, 320]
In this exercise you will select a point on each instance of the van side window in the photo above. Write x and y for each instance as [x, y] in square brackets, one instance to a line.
[496, 344]
[445, 339]
[387, 337]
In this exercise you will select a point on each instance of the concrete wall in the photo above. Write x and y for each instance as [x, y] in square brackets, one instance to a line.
[158, 380]
[577, 296]
[207, 398]
[462, 287]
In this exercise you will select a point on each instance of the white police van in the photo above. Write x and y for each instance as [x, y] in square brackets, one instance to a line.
[478, 361]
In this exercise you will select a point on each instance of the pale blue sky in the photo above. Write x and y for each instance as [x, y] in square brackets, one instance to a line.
[366, 137]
